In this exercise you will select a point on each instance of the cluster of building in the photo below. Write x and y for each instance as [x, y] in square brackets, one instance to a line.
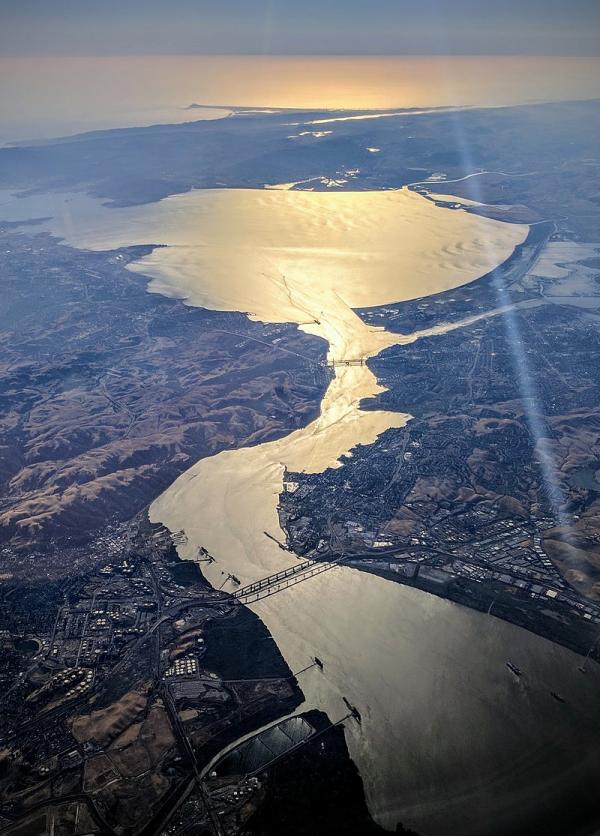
[184, 666]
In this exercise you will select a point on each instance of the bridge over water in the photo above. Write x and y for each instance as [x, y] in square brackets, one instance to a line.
[283, 580]
[357, 361]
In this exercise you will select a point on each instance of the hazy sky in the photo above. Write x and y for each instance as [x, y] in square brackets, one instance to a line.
[108, 27]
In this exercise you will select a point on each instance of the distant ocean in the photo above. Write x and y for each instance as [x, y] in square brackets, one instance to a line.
[53, 96]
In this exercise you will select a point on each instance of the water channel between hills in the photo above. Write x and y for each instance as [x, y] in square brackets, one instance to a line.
[450, 739]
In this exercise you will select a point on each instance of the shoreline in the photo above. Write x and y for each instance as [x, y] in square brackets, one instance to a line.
[239, 479]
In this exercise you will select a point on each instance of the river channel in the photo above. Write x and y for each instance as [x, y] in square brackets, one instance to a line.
[451, 741]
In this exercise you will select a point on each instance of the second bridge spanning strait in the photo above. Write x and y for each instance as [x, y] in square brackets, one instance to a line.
[333, 364]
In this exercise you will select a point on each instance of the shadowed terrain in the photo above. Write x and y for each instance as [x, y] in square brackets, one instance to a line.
[108, 392]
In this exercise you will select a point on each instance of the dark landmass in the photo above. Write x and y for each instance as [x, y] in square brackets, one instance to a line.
[124, 685]
[109, 392]
[316, 790]
[122, 695]
[313, 789]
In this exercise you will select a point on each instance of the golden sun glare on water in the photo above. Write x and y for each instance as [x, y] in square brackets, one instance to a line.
[47, 96]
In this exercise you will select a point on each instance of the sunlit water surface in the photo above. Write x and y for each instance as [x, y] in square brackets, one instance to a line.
[53, 96]
[450, 740]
